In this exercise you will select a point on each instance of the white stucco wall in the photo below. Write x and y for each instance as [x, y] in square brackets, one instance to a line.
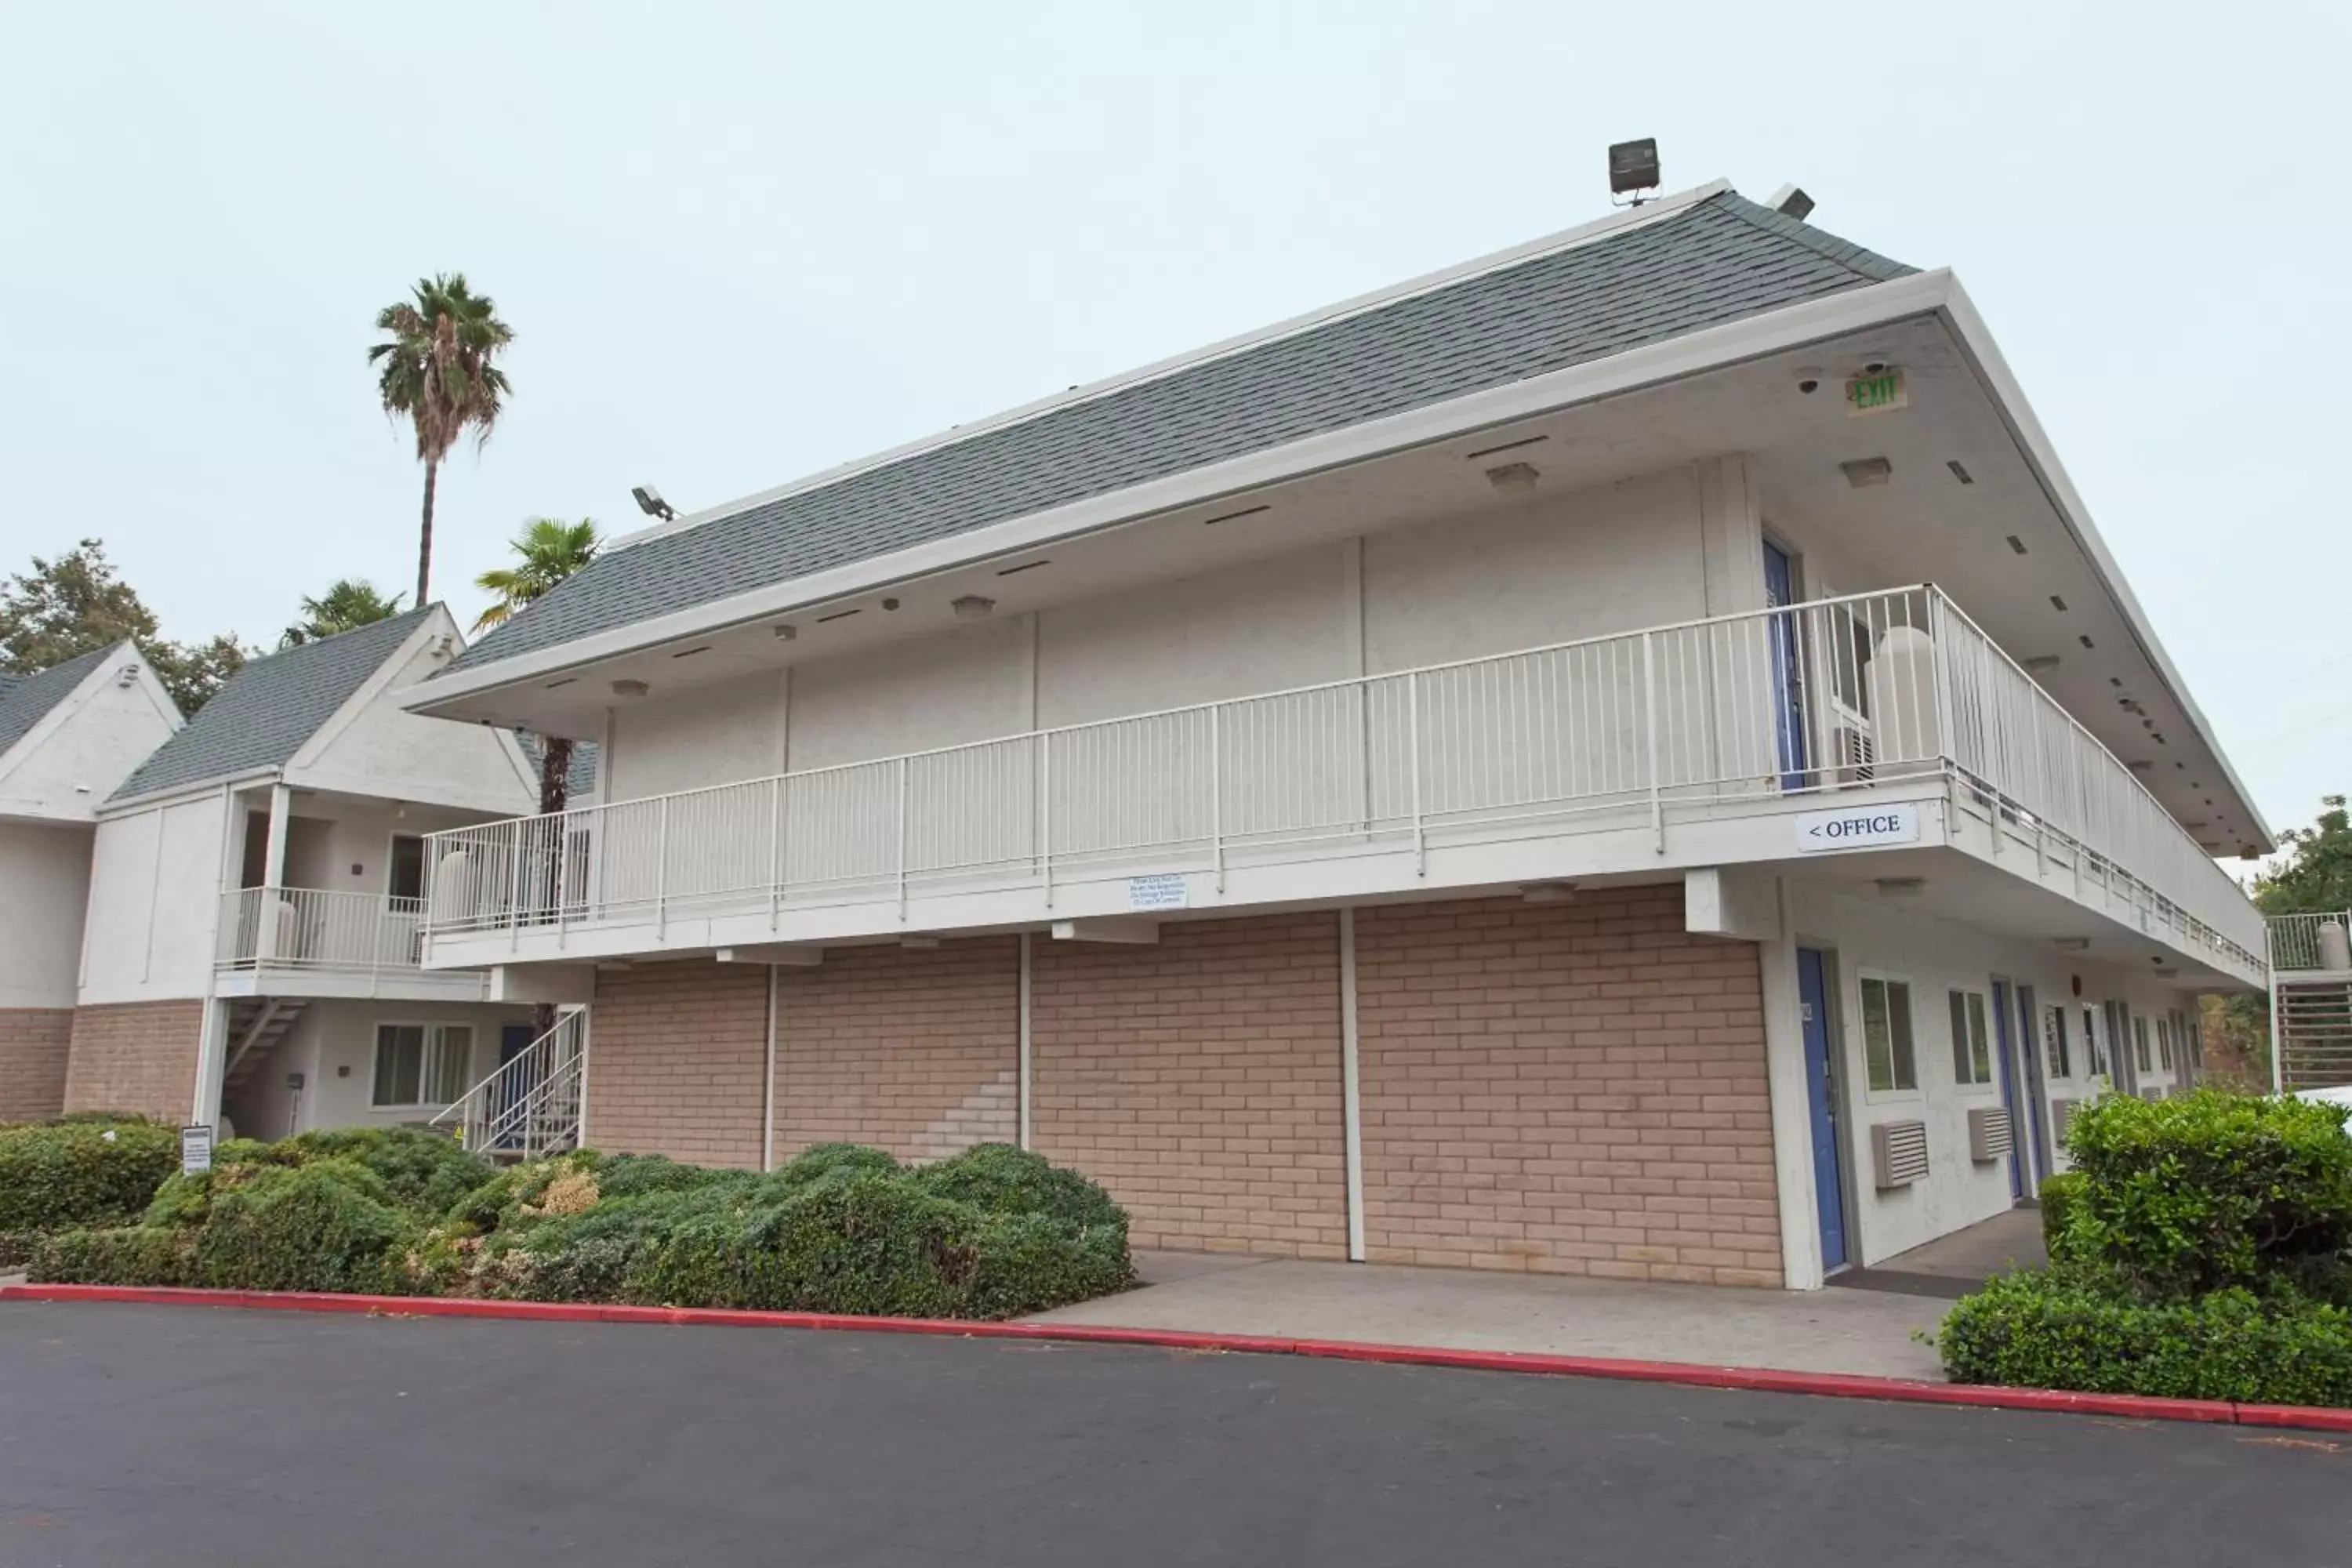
[88, 744]
[1554, 567]
[155, 897]
[1900, 940]
[375, 748]
[44, 891]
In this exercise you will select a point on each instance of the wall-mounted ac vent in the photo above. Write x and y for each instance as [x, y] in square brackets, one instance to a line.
[1899, 1151]
[2061, 1112]
[1989, 1137]
[1855, 752]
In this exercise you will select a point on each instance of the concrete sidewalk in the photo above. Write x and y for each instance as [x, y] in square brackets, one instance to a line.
[1818, 1331]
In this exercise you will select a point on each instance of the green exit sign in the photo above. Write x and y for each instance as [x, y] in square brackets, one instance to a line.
[1875, 393]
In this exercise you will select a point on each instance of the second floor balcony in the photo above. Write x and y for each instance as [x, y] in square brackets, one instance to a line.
[310, 942]
[1702, 743]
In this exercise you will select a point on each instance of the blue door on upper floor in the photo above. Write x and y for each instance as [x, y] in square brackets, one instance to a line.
[1788, 691]
[1821, 1087]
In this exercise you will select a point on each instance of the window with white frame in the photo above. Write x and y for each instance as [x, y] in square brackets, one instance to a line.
[2189, 1040]
[2094, 1044]
[1971, 1039]
[2054, 1052]
[2139, 1044]
[2163, 1056]
[420, 1064]
[1886, 1034]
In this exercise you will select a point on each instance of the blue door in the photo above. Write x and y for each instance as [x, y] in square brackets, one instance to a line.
[2004, 1041]
[1820, 1085]
[1788, 692]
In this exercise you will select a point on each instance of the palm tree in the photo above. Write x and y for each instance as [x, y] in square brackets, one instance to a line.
[348, 603]
[437, 370]
[547, 551]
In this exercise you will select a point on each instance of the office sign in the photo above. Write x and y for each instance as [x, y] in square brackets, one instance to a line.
[1860, 827]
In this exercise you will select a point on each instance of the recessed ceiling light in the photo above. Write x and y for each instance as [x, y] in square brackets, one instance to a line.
[1513, 478]
[1228, 517]
[2017, 544]
[2086, 641]
[889, 603]
[1862, 472]
[2057, 603]
[1962, 475]
[690, 652]
[836, 615]
[1024, 567]
[1505, 447]
[2042, 661]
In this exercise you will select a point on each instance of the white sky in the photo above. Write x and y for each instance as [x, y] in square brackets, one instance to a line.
[738, 244]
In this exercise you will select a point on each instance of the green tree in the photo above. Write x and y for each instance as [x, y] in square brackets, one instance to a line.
[68, 605]
[547, 551]
[2317, 877]
[437, 371]
[348, 603]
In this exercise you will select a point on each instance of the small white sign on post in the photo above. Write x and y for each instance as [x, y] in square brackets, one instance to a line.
[195, 1148]
[1163, 890]
[1859, 827]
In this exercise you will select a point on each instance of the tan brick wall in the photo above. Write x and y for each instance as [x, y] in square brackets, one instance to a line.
[1570, 1087]
[1199, 1080]
[915, 1051]
[678, 1061]
[135, 1056]
[34, 1043]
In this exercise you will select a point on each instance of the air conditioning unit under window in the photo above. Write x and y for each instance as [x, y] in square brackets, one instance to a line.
[1989, 1136]
[1898, 1152]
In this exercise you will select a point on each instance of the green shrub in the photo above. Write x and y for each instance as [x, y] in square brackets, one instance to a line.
[327, 1225]
[1031, 1262]
[83, 1173]
[2054, 1329]
[1001, 1179]
[2058, 1195]
[2210, 1191]
[423, 1171]
[819, 1161]
[133, 1255]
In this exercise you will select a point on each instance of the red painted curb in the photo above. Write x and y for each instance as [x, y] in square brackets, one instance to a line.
[1762, 1380]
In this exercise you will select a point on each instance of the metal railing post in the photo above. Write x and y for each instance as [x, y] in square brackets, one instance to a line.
[776, 855]
[1650, 734]
[1045, 814]
[514, 891]
[1413, 748]
[661, 871]
[902, 838]
[1216, 793]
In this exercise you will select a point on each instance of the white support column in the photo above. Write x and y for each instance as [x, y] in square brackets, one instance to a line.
[768, 1113]
[1351, 1087]
[273, 871]
[212, 1059]
[1792, 1099]
[1024, 1128]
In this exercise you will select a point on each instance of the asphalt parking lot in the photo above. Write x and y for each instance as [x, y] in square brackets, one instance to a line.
[201, 1437]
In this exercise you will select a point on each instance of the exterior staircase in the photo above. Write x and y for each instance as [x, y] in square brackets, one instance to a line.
[532, 1106]
[2311, 1000]
[257, 1025]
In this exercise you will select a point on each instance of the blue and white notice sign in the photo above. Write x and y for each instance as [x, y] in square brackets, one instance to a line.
[1166, 890]
[1858, 827]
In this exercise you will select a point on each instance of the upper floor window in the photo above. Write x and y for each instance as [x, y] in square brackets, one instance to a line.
[1971, 1038]
[1886, 1034]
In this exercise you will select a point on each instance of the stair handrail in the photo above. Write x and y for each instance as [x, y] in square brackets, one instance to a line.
[511, 1097]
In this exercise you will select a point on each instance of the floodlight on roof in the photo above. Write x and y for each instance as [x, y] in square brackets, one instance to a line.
[650, 502]
[1634, 168]
[1791, 201]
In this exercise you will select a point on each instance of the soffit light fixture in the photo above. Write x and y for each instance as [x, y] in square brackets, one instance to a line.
[1901, 887]
[1513, 478]
[1864, 472]
[786, 631]
[972, 607]
[2042, 664]
[630, 688]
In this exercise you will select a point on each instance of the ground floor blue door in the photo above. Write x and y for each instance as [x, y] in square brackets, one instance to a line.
[1820, 1085]
[2011, 1091]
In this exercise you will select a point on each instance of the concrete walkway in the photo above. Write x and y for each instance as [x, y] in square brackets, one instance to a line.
[1818, 1331]
[1957, 1265]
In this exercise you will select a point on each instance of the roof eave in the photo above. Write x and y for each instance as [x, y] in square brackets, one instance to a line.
[1770, 333]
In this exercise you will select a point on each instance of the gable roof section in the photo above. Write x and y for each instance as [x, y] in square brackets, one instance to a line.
[1717, 260]
[265, 712]
[26, 699]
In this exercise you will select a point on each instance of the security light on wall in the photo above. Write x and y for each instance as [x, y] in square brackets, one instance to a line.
[650, 502]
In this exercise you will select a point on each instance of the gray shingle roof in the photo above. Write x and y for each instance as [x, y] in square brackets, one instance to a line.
[264, 712]
[26, 699]
[1717, 260]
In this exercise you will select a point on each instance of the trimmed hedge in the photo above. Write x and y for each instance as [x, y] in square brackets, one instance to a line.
[2201, 1248]
[2048, 1329]
[86, 1171]
[994, 1232]
[2211, 1192]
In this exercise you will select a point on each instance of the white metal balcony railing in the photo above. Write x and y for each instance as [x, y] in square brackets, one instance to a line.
[532, 1104]
[312, 927]
[1825, 695]
[2300, 942]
